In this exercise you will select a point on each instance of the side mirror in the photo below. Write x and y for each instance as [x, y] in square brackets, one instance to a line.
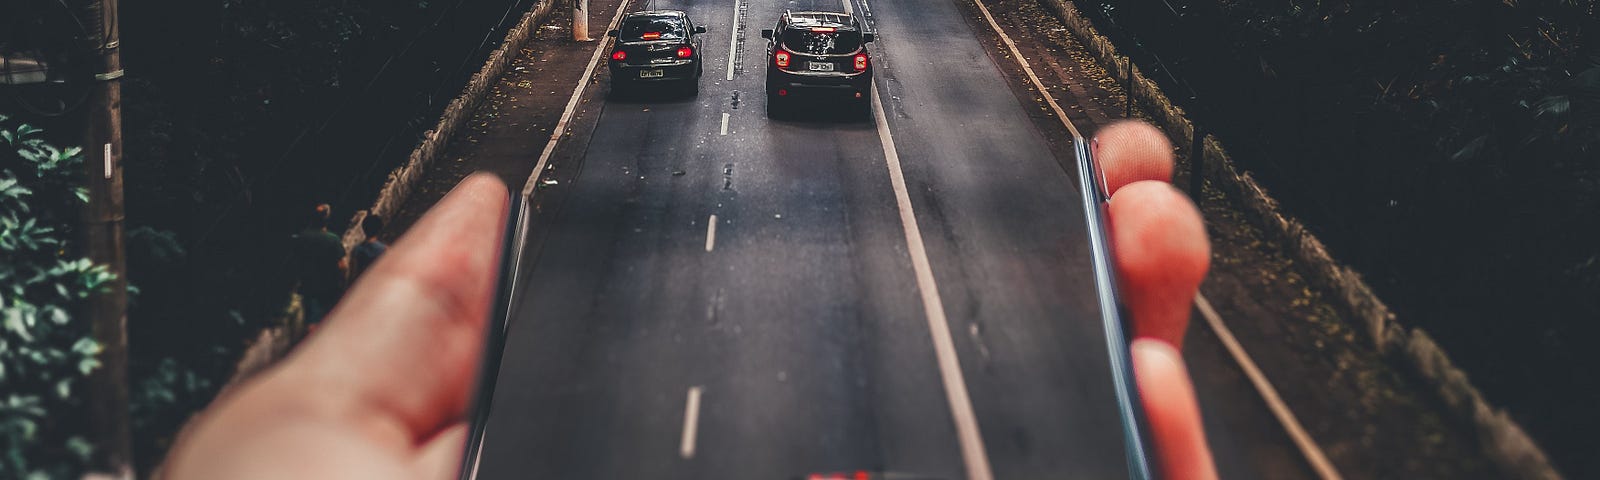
[868, 37]
[699, 29]
[612, 34]
[766, 33]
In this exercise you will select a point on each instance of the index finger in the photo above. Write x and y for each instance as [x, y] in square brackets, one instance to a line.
[405, 341]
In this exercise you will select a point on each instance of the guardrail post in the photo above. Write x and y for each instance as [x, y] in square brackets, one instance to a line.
[1127, 90]
[1197, 164]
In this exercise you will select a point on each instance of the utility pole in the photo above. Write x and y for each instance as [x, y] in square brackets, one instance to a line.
[102, 234]
[580, 20]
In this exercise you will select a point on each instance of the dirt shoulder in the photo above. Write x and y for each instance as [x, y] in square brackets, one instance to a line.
[1372, 420]
[507, 132]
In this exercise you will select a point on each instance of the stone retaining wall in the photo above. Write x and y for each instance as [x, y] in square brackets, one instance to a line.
[406, 177]
[1502, 441]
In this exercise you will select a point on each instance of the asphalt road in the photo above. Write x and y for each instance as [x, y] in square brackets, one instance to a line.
[793, 338]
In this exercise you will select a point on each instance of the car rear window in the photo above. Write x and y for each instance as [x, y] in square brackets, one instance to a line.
[652, 27]
[812, 41]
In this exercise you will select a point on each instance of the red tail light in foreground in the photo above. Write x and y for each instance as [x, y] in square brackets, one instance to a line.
[685, 52]
[781, 59]
[861, 62]
[619, 55]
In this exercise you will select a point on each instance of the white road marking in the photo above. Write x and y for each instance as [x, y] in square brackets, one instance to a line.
[724, 123]
[1061, 114]
[733, 39]
[848, 8]
[691, 423]
[1308, 447]
[572, 104]
[711, 233]
[955, 386]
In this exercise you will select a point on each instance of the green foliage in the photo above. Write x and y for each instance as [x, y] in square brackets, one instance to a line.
[45, 353]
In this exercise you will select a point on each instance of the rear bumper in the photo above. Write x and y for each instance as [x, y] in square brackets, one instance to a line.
[840, 84]
[682, 70]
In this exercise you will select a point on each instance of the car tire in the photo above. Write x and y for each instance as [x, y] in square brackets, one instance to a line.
[777, 107]
[864, 106]
[691, 88]
[619, 88]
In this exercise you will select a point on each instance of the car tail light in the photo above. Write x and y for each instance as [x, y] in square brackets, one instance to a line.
[824, 29]
[861, 62]
[619, 55]
[651, 35]
[685, 52]
[781, 59]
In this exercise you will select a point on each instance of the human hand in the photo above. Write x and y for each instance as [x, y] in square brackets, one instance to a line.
[380, 392]
[1159, 240]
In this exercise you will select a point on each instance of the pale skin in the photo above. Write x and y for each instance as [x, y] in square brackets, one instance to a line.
[382, 390]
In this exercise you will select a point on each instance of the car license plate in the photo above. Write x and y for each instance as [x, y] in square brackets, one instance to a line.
[653, 73]
[820, 66]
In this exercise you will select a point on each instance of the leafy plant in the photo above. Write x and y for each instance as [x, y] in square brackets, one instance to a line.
[45, 353]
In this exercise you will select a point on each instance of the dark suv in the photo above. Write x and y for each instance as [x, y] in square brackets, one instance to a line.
[817, 53]
[656, 46]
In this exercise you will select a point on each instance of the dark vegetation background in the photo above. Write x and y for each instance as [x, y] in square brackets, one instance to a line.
[1447, 149]
[239, 116]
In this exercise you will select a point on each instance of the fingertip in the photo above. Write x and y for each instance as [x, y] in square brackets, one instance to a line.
[1131, 151]
[1161, 254]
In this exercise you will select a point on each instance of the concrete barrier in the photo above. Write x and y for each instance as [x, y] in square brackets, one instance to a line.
[406, 177]
[1502, 441]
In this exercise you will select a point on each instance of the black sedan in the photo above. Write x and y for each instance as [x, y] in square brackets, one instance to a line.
[655, 47]
[817, 53]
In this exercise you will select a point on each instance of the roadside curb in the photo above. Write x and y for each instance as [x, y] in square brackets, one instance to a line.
[406, 177]
[1501, 440]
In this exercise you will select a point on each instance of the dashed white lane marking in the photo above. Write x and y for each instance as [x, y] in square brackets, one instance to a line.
[724, 123]
[711, 233]
[691, 423]
[1308, 447]
[849, 9]
[572, 104]
[955, 384]
[733, 39]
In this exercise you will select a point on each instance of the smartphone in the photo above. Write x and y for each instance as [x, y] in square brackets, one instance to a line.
[1114, 320]
[1136, 432]
[516, 234]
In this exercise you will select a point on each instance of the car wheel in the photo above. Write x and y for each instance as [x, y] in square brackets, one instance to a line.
[619, 88]
[864, 106]
[692, 88]
[777, 108]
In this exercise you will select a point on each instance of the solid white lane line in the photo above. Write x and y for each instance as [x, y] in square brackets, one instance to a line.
[733, 39]
[955, 384]
[848, 8]
[724, 124]
[1308, 447]
[572, 104]
[691, 423]
[711, 233]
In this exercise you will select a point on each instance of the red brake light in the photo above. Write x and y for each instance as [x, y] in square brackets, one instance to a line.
[781, 58]
[824, 29]
[861, 62]
[651, 35]
[619, 55]
[685, 52]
